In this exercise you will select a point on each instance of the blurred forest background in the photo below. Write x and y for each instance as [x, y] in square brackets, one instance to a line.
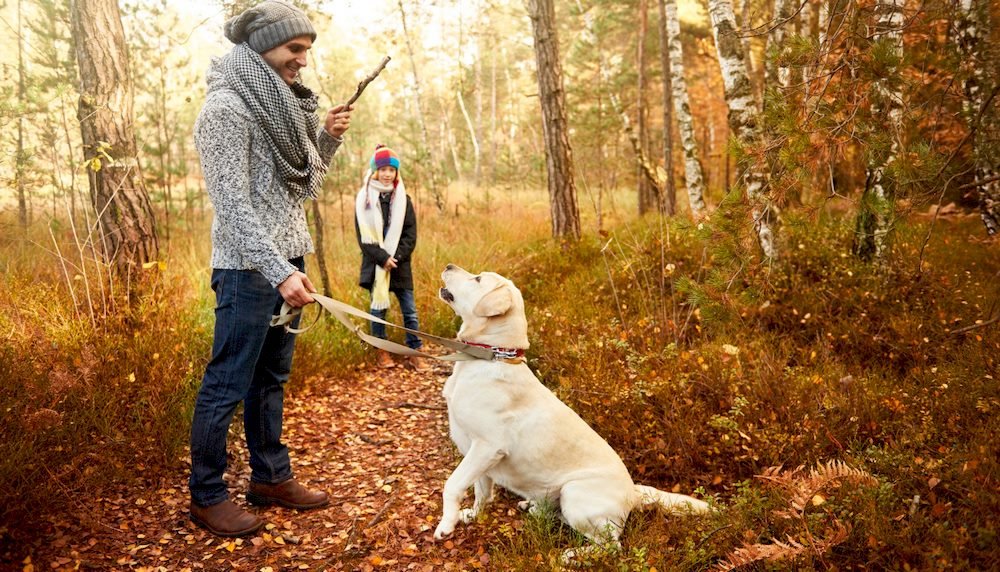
[779, 216]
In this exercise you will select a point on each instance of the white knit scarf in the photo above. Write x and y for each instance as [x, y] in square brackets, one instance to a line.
[368, 210]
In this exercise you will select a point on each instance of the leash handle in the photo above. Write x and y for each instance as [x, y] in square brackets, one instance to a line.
[341, 311]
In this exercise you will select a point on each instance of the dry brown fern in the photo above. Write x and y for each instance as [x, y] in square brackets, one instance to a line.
[790, 549]
[802, 488]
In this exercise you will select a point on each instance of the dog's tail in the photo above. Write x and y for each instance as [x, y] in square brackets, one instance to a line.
[673, 502]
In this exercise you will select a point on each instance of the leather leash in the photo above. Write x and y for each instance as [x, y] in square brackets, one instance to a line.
[461, 350]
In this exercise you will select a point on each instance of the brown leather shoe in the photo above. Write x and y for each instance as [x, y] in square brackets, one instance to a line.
[225, 519]
[288, 494]
[384, 359]
[418, 363]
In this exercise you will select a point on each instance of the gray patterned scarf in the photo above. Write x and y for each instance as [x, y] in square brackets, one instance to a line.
[287, 117]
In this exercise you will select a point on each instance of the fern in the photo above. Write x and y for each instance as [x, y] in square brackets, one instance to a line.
[789, 549]
[802, 487]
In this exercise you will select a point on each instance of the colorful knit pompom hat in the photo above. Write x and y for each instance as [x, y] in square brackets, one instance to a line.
[384, 157]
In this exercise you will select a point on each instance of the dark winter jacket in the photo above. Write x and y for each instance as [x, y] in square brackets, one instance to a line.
[401, 277]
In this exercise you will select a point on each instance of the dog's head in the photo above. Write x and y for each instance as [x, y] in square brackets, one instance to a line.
[490, 306]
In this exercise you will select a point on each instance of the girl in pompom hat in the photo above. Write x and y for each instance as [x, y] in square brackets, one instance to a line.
[386, 227]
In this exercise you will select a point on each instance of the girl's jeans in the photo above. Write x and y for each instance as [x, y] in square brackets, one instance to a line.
[250, 363]
[408, 307]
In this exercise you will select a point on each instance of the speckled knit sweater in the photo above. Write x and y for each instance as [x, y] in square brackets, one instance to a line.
[258, 224]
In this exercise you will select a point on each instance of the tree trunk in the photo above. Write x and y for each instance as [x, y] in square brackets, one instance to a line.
[555, 127]
[425, 148]
[973, 25]
[877, 208]
[777, 76]
[750, 62]
[668, 197]
[125, 216]
[647, 196]
[693, 177]
[319, 224]
[493, 110]
[472, 132]
[21, 159]
[743, 112]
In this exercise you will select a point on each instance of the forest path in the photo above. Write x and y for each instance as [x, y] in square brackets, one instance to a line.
[376, 440]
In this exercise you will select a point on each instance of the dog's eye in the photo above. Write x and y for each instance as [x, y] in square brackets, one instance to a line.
[479, 278]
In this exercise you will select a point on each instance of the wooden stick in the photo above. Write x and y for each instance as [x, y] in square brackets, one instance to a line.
[364, 83]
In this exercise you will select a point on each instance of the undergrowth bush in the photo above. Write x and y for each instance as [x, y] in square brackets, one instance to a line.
[703, 370]
[87, 403]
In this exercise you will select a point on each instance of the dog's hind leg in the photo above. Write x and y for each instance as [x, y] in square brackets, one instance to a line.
[484, 496]
[480, 458]
[596, 511]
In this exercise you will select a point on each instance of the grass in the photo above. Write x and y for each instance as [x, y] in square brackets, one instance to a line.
[700, 372]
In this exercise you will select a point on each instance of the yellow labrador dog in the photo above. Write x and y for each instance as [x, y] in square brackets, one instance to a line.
[516, 433]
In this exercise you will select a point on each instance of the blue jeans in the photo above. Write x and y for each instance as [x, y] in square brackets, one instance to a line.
[250, 363]
[408, 307]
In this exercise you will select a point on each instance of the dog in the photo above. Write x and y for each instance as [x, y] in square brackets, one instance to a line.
[515, 433]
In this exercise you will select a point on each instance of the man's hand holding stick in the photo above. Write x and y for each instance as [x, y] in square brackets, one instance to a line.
[338, 119]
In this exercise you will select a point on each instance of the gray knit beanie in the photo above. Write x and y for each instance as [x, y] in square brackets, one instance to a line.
[268, 25]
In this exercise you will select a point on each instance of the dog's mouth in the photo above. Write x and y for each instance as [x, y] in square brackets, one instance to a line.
[446, 295]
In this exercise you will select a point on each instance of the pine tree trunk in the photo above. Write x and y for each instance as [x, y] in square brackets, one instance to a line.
[119, 197]
[877, 209]
[743, 113]
[647, 192]
[693, 176]
[972, 27]
[668, 195]
[555, 126]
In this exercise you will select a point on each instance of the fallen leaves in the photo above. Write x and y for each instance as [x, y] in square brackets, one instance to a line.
[378, 443]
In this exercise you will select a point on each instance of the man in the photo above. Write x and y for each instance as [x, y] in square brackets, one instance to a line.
[263, 153]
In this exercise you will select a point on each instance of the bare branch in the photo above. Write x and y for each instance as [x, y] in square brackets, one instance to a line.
[364, 83]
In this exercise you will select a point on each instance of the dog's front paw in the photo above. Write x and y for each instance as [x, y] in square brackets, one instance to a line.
[443, 530]
[467, 515]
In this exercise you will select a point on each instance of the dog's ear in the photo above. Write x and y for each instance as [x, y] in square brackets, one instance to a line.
[495, 303]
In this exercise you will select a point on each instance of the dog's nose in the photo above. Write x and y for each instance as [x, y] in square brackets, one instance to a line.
[450, 267]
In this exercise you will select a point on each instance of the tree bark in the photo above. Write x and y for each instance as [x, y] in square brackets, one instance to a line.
[555, 127]
[425, 144]
[877, 209]
[668, 196]
[647, 195]
[693, 176]
[21, 159]
[743, 113]
[775, 75]
[972, 27]
[125, 216]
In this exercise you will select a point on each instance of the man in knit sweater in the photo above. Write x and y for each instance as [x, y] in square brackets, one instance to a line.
[263, 153]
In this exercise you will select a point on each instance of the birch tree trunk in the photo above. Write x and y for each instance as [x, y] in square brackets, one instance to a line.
[125, 216]
[742, 117]
[555, 127]
[972, 26]
[745, 22]
[668, 195]
[877, 208]
[775, 75]
[694, 179]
